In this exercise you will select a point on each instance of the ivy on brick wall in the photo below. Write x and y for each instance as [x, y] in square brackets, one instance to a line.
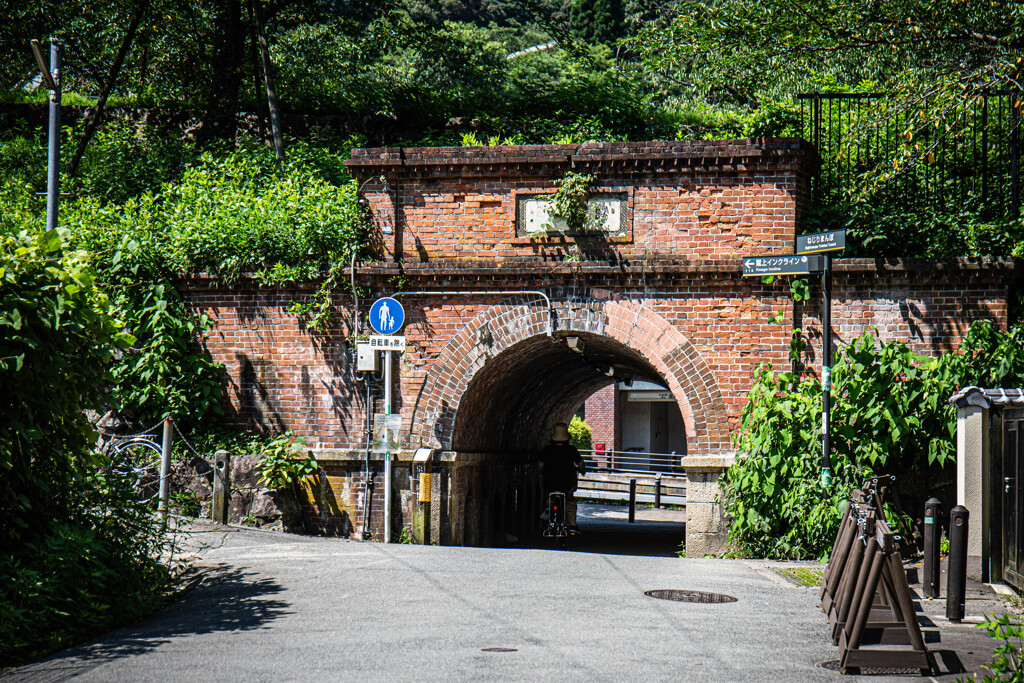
[147, 209]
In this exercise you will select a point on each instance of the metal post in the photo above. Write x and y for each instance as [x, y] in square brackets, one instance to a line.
[632, 500]
[956, 570]
[387, 455]
[932, 531]
[368, 475]
[53, 156]
[826, 370]
[1014, 157]
[657, 491]
[165, 464]
[221, 487]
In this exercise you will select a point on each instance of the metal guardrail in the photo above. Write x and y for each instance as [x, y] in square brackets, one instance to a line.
[633, 461]
[657, 477]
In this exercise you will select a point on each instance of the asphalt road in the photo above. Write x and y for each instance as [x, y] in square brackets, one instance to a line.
[275, 607]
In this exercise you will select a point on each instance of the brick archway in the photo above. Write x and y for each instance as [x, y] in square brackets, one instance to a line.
[510, 334]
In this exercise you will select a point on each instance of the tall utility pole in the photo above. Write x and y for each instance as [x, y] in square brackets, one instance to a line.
[51, 78]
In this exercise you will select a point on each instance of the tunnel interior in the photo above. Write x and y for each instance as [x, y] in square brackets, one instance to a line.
[504, 420]
[512, 402]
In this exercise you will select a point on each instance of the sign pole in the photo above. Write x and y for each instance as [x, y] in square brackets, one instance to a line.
[387, 454]
[826, 370]
[811, 255]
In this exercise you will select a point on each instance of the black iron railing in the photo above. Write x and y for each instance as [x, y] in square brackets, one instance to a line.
[970, 159]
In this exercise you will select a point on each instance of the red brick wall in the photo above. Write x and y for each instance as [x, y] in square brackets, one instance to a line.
[665, 302]
[284, 377]
[686, 199]
[601, 416]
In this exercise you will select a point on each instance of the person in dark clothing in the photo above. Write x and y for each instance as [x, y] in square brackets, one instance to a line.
[561, 465]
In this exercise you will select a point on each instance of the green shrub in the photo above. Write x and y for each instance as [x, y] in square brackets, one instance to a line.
[580, 434]
[890, 416]
[286, 463]
[78, 553]
[774, 498]
[57, 334]
[101, 566]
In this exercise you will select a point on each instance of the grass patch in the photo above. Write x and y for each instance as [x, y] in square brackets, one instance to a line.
[801, 576]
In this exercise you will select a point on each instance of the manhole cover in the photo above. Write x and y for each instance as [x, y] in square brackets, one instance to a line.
[833, 665]
[689, 596]
[499, 649]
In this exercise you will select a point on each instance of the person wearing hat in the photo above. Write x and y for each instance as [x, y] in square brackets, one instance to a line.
[561, 465]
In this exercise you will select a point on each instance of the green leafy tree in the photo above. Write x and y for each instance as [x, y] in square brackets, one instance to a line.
[57, 335]
[598, 22]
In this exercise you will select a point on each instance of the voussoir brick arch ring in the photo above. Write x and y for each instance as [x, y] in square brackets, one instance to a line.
[629, 322]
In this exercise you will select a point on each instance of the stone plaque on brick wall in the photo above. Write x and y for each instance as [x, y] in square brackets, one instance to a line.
[606, 216]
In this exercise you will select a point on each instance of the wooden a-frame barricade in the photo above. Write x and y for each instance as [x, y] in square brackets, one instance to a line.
[865, 592]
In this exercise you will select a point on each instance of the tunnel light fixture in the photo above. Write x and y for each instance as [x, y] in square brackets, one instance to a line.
[575, 344]
[610, 371]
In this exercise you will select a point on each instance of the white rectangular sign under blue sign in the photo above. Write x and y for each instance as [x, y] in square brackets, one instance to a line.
[387, 343]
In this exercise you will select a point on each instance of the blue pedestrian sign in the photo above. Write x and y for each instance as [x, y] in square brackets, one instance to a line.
[386, 315]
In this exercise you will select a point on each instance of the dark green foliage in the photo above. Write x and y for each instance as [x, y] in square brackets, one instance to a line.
[598, 22]
[95, 567]
[77, 552]
[57, 333]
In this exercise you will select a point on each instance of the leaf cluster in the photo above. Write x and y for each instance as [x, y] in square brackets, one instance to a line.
[890, 416]
[286, 462]
[58, 332]
[580, 434]
[1007, 664]
[102, 563]
[78, 553]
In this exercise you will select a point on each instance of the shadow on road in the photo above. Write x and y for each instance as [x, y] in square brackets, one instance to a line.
[222, 598]
[606, 529]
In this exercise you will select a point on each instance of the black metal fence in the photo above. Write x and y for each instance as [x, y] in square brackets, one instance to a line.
[970, 160]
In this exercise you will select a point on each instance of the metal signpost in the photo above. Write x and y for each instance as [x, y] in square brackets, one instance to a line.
[50, 75]
[387, 317]
[823, 243]
[761, 266]
[812, 256]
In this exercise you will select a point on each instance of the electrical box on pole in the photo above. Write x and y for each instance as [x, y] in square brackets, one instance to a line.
[366, 358]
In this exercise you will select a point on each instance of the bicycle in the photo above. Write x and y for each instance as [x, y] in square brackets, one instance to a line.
[558, 525]
[135, 457]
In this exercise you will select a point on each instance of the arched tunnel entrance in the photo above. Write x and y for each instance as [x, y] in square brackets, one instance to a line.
[505, 418]
[511, 404]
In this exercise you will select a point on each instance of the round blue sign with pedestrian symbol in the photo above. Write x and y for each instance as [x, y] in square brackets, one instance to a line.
[386, 315]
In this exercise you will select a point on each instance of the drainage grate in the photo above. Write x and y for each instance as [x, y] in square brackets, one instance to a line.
[690, 596]
[499, 649]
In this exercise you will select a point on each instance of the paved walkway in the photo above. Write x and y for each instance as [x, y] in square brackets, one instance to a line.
[275, 607]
